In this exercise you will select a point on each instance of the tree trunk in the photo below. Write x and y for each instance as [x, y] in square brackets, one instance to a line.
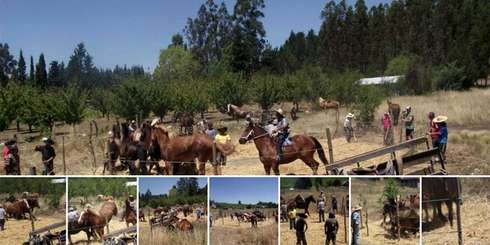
[30, 128]
[17, 125]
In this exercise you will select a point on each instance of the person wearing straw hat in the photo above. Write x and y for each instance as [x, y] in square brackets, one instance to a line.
[3, 216]
[443, 134]
[282, 130]
[348, 129]
[433, 129]
[48, 155]
[356, 224]
[222, 138]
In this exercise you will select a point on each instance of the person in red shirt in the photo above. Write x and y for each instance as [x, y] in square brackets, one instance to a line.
[387, 129]
[433, 130]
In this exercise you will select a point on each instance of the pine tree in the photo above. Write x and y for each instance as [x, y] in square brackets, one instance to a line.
[41, 74]
[7, 64]
[55, 78]
[21, 68]
[360, 35]
[32, 71]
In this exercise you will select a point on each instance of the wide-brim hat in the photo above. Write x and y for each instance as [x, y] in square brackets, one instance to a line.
[439, 119]
[71, 209]
[155, 122]
[44, 139]
[350, 115]
[356, 208]
[280, 111]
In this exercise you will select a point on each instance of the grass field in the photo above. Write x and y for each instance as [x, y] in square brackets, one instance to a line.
[315, 233]
[226, 231]
[474, 216]
[468, 145]
[368, 193]
[162, 236]
[17, 231]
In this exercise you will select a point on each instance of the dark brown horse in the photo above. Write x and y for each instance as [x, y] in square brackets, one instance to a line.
[303, 147]
[122, 147]
[186, 123]
[301, 203]
[96, 222]
[437, 191]
[183, 148]
[130, 217]
[394, 110]
[19, 208]
[184, 225]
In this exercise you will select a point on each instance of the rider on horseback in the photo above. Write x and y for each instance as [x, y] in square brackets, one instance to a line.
[130, 206]
[282, 132]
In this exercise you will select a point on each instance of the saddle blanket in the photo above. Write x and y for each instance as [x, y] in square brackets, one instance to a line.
[287, 142]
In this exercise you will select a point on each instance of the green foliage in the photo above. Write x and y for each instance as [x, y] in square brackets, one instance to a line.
[190, 96]
[227, 87]
[400, 65]
[367, 101]
[266, 90]
[101, 100]
[43, 186]
[186, 191]
[176, 64]
[73, 102]
[241, 206]
[132, 99]
[7, 64]
[308, 183]
[451, 77]
[90, 187]
[161, 98]
[41, 75]
[391, 189]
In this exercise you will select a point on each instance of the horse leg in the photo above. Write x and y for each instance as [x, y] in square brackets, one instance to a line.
[267, 168]
[202, 168]
[450, 215]
[275, 167]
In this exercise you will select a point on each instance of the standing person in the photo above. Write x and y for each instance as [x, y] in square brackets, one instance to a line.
[3, 216]
[348, 129]
[321, 210]
[210, 131]
[284, 212]
[129, 206]
[321, 197]
[211, 220]
[356, 225]
[301, 228]
[334, 204]
[443, 134]
[282, 130]
[132, 126]
[10, 154]
[331, 228]
[48, 155]
[433, 130]
[222, 138]
[387, 129]
[292, 218]
[409, 122]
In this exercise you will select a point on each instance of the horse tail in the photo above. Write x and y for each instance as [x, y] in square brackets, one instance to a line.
[319, 150]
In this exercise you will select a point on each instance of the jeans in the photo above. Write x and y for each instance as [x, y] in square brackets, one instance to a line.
[321, 215]
[2, 224]
[331, 238]
[48, 168]
[292, 223]
[280, 141]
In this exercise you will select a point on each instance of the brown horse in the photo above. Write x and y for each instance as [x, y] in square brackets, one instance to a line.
[19, 208]
[184, 148]
[235, 112]
[303, 148]
[130, 217]
[301, 203]
[96, 222]
[107, 210]
[122, 147]
[394, 110]
[186, 123]
[184, 225]
[329, 105]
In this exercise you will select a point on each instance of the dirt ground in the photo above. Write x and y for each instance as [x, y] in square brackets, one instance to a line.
[467, 148]
[17, 231]
[474, 217]
[368, 194]
[227, 231]
[315, 233]
[160, 236]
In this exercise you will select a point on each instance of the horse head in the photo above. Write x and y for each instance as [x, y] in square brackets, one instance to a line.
[33, 203]
[252, 131]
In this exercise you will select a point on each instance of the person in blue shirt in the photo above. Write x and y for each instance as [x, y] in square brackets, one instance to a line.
[441, 122]
[356, 225]
[282, 131]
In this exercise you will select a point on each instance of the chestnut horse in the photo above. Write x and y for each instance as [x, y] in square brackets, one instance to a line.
[107, 210]
[235, 112]
[130, 217]
[183, 148]
[303, 147]
[394, 110]
[96, 222]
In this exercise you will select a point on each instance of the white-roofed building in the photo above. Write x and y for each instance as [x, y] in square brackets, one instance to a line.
[380, 80]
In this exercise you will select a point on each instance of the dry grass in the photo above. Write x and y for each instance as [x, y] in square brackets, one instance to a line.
[474, 216]
[225, 231]
[161, 236]
[17, 231]
[367, 193]
[315, 233]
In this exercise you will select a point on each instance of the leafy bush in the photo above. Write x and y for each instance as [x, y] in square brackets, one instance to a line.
[451, 77]
[367, 101]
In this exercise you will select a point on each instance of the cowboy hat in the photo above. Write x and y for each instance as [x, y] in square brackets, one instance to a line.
[71, 209]
[155, 122]
[356, 208]
[110, 133]
[350, 115]
[279, 111]
[44, 139]
[440, 119]
[222, 128]
[133, 121]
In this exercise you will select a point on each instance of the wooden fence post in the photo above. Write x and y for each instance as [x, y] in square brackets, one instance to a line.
[367, 220]
[63, 153]
[398, 216]
[458, 213]
[330, 147]
[344, 207]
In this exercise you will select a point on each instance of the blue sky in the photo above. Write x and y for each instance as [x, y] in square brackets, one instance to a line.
[247, 190]
[127, 31]
[162, 185]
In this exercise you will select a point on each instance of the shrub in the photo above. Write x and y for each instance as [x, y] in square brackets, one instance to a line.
[367, 101]
[450, 77]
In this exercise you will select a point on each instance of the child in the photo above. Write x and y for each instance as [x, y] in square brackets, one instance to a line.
[292, 218]
[222, 138]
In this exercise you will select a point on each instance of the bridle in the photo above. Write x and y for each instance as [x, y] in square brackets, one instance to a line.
[251, 135]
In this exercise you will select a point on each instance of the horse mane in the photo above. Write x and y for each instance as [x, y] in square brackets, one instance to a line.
[125, 130]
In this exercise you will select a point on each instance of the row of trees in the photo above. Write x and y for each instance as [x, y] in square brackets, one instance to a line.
[308, 183]
[91, 187]
[50, 191]
[185, 191]
[240, 205]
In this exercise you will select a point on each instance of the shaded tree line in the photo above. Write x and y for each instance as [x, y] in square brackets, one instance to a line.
[43, 186]
[185, 191]
[90, 187]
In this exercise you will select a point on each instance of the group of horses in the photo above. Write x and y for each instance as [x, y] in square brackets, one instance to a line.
[93, 223]
[168, 218]
[406, 215]
[19, 208]
[253, 217]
